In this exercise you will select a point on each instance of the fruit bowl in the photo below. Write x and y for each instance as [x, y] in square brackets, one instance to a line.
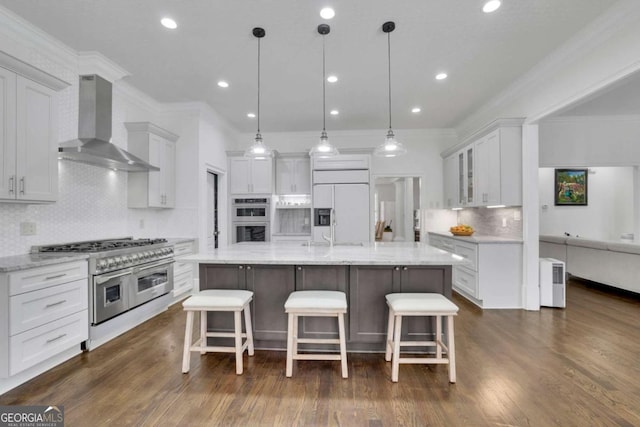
[462, 230]
[462, 233]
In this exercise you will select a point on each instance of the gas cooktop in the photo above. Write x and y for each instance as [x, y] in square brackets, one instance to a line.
[100, 245]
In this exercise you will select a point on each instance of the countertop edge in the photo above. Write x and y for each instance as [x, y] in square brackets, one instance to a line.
[478, 239]
[28, 261]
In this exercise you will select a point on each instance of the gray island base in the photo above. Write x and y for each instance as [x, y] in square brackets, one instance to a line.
[365, 273]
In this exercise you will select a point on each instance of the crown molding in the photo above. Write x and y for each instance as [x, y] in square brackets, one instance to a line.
[488, 128]
[92, 62]
[25, 38]
[30, 72]
[621, 15]
[149, 127]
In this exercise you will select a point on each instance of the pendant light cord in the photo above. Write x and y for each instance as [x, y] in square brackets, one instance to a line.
[258, 85]
[324, 108]
[389, 57]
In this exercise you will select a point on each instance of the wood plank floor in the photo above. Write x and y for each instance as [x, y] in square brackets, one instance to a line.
[574, 367]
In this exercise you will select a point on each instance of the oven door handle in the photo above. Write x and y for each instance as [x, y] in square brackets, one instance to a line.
[160, 263]
[103, 279]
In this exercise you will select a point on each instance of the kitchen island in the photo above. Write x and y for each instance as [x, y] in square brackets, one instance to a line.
[365, 273]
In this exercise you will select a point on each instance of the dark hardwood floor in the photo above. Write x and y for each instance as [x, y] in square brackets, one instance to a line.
[578, 366]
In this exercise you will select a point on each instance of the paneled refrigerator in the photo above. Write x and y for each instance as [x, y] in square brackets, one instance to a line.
[350, 204]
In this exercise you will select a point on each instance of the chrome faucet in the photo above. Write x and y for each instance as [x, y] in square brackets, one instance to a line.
[332, 228]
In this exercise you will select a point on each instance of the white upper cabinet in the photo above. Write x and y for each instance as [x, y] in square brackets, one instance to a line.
[28, 132]
[488, 170]
[250, 176]
[154, 189]
[293, 175]
[499, 168]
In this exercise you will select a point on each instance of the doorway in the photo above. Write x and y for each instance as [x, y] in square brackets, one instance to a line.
[396, 208]
[213, 231]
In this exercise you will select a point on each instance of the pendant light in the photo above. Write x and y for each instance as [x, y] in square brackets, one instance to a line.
[258, 150]
[391, 147]
[323, 148]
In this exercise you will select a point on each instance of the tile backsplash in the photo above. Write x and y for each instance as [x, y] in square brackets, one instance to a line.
[504, 222]
[91, 204]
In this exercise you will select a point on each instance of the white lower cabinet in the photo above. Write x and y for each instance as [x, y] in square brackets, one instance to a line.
[43, 313]
[183, 272]
[493, 276]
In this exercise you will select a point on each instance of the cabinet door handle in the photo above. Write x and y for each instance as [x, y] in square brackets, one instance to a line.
[22, 185]
[56, 338]
[55, 303]
[248, 267]
[299, 268]
[405, 268]
[56, 276]
[240, 267]
[12, 183]
[397, 268]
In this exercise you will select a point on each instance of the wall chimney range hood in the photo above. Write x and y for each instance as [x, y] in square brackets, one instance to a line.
[93, 145]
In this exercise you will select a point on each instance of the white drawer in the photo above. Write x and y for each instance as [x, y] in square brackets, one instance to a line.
[36, 345]
[447, 244]
[33, 309]
[469, 251]
[184, 248]
[183, 283]
[42, 277]
[466, 281]
[182, 267]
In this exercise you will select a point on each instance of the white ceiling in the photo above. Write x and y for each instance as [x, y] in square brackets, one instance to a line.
[482, 53]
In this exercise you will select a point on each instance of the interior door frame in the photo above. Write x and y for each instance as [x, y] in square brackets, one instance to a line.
[222, 205]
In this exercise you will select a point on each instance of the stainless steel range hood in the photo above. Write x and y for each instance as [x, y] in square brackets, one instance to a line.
[93, 145]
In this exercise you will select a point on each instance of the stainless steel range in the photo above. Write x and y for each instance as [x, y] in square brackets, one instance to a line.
[124, 275]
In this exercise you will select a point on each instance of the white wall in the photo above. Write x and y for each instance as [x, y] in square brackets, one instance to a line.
[590, 141]
[609, 212]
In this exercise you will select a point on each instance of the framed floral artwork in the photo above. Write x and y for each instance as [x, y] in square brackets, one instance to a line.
[571, 187]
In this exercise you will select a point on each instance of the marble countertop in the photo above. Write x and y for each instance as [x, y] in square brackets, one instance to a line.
[303, 254]
[477, 238]
[26, 261]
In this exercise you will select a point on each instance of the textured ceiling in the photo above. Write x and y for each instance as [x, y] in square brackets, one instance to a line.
[482, 53]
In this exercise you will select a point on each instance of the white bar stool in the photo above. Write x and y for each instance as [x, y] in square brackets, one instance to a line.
[317, 304]
[420, 304]
[218, 300]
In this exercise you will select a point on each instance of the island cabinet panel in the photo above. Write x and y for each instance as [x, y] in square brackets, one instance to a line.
[321, 278]
[228, 276]
[368, 313]
[271, 286]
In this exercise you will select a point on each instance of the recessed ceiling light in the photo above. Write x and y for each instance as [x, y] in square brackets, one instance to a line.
[416, 110]
[334, 112]
[491, 6]
[222, 83]
[332, 79]
[327, 13]
[251, 115]
[169, 23]
[441, 76]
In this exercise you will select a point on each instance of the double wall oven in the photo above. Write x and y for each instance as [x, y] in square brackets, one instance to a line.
[124, 274]
[250, 221]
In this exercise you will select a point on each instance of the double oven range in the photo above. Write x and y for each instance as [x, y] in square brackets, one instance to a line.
[124, 274]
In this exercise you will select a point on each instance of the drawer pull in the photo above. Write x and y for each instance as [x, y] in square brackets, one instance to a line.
[55, 303]
[57, 276]
[56, 338]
